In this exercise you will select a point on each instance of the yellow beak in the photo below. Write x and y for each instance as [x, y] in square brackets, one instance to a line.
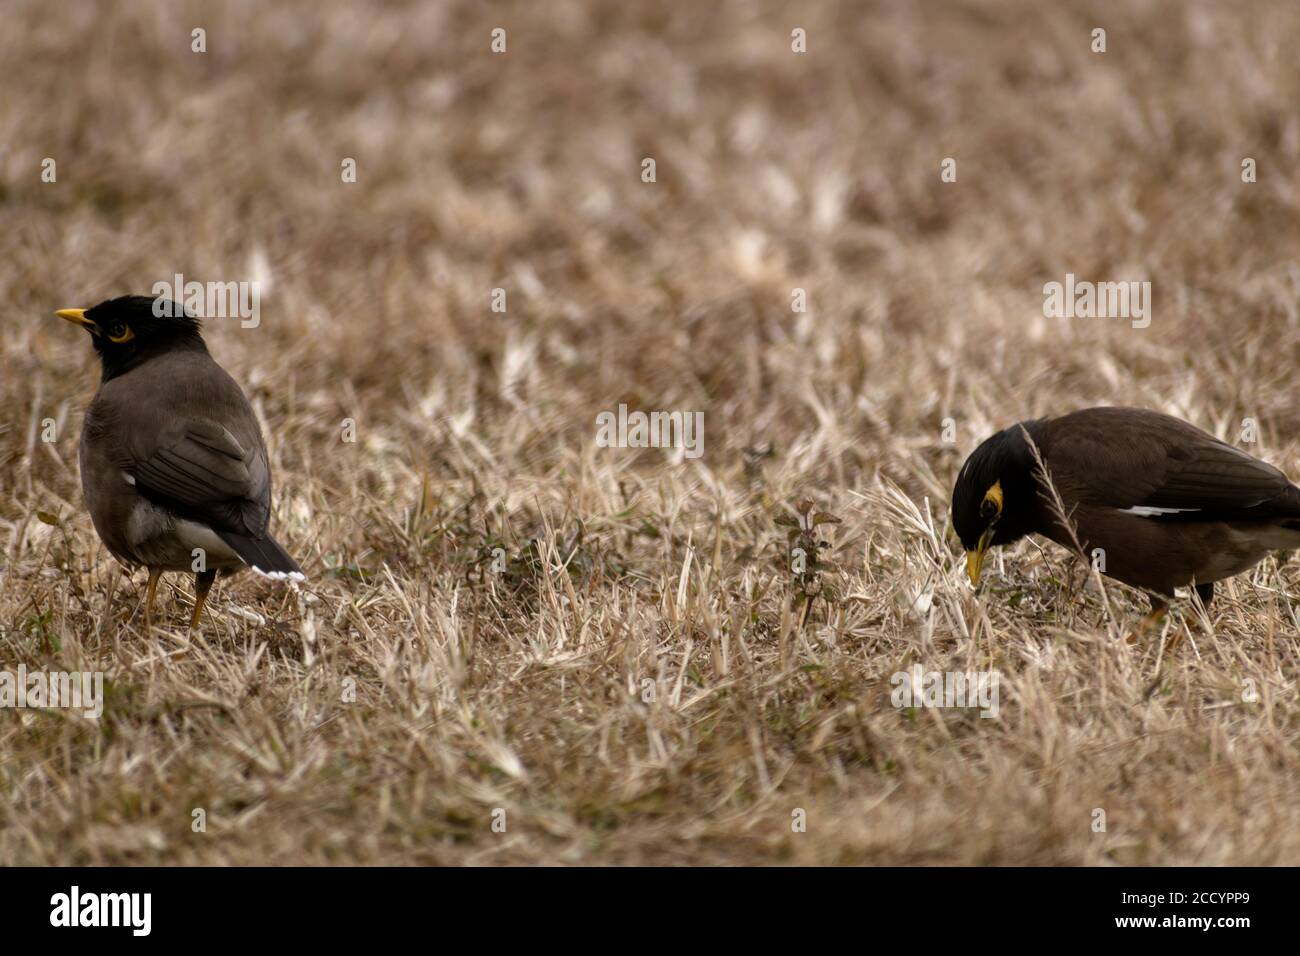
[78, 316]
[975, 559]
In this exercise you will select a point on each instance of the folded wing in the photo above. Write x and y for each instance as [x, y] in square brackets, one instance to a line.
[1159, 467]
[200, 470]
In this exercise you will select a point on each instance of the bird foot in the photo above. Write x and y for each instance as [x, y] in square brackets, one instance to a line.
[1150, 620]
[1166, 659]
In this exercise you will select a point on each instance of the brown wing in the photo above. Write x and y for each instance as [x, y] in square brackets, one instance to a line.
[181, 429]
[1130, 458]
[199, 469]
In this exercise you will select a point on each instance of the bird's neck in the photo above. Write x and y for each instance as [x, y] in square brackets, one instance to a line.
[115, 365]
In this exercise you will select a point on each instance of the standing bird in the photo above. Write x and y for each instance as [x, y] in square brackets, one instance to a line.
[1167, 504]
[173, 465]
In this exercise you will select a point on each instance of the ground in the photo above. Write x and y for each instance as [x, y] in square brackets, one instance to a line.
[517, 646]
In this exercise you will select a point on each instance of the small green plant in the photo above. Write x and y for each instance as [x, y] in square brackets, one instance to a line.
[802, 555]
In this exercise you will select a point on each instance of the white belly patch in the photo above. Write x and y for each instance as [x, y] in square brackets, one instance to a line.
[194, 535]
[160, 539]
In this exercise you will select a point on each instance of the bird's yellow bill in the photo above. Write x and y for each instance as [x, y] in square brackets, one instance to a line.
[76, 315]
[975, 559]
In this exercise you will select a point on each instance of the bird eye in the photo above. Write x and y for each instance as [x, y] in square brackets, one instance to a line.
[120, 332]
[991, 506]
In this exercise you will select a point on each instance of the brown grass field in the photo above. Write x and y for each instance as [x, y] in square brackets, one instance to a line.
[642, 679]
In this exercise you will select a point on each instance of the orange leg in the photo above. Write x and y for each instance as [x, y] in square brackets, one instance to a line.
[1153, 619]
[202, 584]
[150, 591]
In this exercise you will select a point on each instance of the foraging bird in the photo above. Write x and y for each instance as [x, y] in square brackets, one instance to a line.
[173, 465]
[1167, 504]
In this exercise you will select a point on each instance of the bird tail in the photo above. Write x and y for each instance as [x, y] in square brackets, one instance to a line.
[264, 555]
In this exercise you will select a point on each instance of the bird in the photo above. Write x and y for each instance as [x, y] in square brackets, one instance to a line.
[173, 466]
[1152, 501]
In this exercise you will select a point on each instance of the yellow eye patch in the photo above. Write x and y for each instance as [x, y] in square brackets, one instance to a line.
[120, 333]
[992, 497]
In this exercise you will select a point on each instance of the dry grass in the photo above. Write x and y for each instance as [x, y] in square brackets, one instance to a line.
[525, 690]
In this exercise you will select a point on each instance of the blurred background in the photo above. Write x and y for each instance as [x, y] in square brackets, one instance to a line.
[775, 170]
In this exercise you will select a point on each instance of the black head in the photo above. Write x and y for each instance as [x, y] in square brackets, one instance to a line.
[995, 500]
[128, 330]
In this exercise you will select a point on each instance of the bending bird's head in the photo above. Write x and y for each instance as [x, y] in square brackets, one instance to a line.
[995, 499]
